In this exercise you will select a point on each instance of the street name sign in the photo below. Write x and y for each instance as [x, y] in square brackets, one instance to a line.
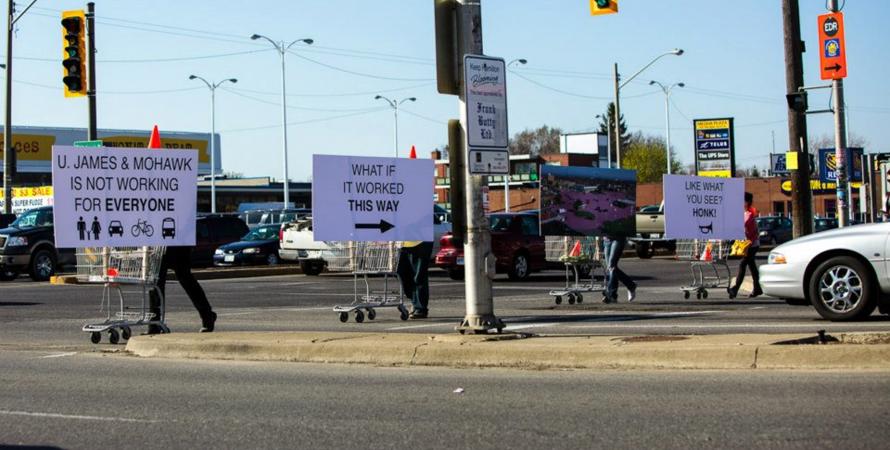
[485, 96]
[703, 207]
[832, 51]
[714, 147]
[111, 197]
[358, 198]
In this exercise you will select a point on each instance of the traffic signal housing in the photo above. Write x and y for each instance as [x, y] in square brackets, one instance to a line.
[599, 7]
[74, 74]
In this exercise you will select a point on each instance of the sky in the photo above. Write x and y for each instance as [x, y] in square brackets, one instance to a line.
[733, 66]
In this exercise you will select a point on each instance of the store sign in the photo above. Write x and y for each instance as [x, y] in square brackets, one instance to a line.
[828, 164]
[714, 147]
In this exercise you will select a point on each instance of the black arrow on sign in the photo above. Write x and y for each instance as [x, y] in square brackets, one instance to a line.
[383, 226]
[836, 67]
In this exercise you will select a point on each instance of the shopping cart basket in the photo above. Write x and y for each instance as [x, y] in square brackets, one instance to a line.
[583, 259]
[707, 264]
[114, 268]
[364, 260]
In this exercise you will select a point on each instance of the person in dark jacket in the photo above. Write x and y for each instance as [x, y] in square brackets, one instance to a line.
[752, 234]
[180, 260]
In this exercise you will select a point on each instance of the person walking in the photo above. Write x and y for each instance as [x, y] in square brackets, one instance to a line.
[413, 270]
[180, 260]
[614, 247]
[752, 234]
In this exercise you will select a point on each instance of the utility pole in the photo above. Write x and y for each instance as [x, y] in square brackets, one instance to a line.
[479, 262]
[801, 195]
[8, 150]
[617, 131]
[840, 143]
[92, 133]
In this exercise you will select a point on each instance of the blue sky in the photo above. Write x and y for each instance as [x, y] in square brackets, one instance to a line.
[733, 66]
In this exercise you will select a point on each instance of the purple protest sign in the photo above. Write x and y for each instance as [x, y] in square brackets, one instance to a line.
[356, 198]
[704, 207]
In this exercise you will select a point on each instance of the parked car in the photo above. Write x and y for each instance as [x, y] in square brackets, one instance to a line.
[256, 218]
[211, 232]
[258, 246]
[842, 273]
[28, 244]
[824, 223]
[515, 241]
[774, 230]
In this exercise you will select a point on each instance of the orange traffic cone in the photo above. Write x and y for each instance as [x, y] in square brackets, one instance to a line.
[155, 140]
[413, 154]
[706, 256]
[576, 249]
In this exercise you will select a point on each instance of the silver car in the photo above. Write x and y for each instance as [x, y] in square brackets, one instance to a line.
[843, 273]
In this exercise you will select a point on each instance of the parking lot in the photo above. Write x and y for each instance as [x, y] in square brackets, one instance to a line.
[50, 316]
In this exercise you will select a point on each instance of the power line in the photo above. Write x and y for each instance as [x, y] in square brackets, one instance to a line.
[158, 60]
[304, 122]
[345, 94]
[352, 72]
[420, 116]
[259, 100]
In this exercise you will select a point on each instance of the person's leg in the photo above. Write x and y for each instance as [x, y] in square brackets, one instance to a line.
[611, 265]
[627, 281]
[420, 263]
[154, 300]
[181, 261]
[755, 272]
[406, 273]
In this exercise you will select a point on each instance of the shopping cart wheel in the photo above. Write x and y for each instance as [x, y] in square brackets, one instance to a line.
[686, 294]
[372, 314]
[579, 299]
[403, 312]
[571, 297]
[126, 333]
[698, 295]
[344, 317]
[359, 316]
[113, 337]
[557, 299]
[704, 294]
[95, 337]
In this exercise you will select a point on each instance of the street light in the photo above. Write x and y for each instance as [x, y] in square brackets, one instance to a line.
[212, 87]
[675, 52]
[282, 49]
[509, 168]
[394, 104]
[667, 115]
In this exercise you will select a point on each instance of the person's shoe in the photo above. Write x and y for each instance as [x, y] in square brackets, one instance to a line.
[153, 329]
[632, 294]
[418, 314]
[756, 293]
[608, 300]
[207, 325]
[733, 292]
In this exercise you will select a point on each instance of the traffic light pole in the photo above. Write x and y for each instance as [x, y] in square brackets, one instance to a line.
[840, 143]
[801, 195]
[92, 132]
[479, 263]
[8, 151]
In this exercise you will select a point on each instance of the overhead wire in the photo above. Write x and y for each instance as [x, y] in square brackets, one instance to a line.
[304, 122]
[259, 100]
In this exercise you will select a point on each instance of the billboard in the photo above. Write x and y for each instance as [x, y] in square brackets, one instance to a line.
[33, 145]
[25, 198]
[588, 201]
[714, 147]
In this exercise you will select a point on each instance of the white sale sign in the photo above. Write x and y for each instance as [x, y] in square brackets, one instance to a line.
[704, 207]
[116, 197]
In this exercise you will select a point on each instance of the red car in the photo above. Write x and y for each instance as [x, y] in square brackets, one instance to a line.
[515, 241]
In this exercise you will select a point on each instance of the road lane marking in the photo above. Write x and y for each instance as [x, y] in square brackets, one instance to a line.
[59, 355]
[74, 416]
[724, 325]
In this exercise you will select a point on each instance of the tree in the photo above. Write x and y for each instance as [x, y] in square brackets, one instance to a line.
[542, 141]
[646, 155]
[827, 141]
[607, 127]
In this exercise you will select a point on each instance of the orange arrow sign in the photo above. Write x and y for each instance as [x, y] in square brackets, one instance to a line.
[832, 52]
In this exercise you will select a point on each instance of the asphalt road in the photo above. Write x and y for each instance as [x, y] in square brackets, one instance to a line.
[40, 315]
[108, 401]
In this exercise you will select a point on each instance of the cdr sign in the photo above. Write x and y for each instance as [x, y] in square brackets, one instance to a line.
[832, 54]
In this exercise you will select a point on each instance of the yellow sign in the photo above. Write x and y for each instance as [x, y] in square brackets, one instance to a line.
[30, 147]
[40, 191]
[172, 143]
[712, 124]
[791, 161]
[715, 173]
[596, 10]
[817, 185]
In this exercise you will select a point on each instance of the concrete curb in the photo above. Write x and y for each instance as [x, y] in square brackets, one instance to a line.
[520, 351]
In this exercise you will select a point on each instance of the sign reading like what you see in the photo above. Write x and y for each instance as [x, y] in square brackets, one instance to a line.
[704, 207]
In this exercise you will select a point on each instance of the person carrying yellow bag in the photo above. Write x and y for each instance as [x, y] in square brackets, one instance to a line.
[750, 252]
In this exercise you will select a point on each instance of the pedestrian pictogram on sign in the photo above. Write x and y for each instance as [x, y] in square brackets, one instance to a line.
[832, 54]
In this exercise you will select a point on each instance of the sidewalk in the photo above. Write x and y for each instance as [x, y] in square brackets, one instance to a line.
[850, 351]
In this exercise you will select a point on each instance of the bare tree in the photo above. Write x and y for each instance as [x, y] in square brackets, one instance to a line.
[541, 141]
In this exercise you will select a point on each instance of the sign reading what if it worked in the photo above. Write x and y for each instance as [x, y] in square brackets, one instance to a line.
[108, 197]
[357, 198]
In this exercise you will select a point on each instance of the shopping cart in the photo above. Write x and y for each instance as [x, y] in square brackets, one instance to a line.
[114, 268]
[366, 259]
[583, 259]
[707, 264]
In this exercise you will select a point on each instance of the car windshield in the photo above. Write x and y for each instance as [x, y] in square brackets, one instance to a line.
[261, 234]
[500, 223]
[33, 218]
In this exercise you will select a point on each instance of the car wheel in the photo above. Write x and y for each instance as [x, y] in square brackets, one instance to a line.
[272, 259]
[7, 274]
[519, 270]
[43, 265]
[841, 289]
[311, 268]
[456, 274]
[645, 250]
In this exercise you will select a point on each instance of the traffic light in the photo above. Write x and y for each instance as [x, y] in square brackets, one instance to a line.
[797, 101]
[598, 7]
[74, 53]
